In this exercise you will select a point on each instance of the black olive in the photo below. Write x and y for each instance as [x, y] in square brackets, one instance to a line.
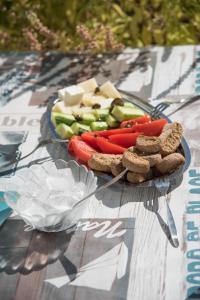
[96, 106]
[97, 90]
[78, 118]
[117, 101]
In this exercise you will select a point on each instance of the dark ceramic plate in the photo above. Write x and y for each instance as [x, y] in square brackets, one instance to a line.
[171, 179]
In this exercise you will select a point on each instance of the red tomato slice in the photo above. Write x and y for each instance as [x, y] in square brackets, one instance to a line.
[106, 133]
[90, 140]
[108, 147]
[71, 142]
[125, 140]
[140, 120]
[152, 129]
[80, 150]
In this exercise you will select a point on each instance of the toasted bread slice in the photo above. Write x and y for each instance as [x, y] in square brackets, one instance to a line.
[135, 163]
[117, 167]
[170, 138]
[148, 144]
[139, 178]
[153, 159]
[135, 177]
[133, 149]
[170, 162]
[102, 162]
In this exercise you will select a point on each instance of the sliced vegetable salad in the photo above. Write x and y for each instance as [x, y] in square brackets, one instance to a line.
[96, 119]
[114, 141]
[88, 107]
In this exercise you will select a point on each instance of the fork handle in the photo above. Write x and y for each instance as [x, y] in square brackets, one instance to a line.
[189, 101]
[171, 224]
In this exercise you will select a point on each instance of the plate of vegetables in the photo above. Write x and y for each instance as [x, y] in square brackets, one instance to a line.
[109, 131]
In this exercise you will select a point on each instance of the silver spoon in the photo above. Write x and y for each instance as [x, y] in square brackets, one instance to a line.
[104, 186]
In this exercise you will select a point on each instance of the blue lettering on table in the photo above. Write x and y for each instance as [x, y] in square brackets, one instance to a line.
[195, 181]
[195, 191]
[194, 266]
[193, 293]
[193, 173]
[191, 226]
[193, 207]
[193, 235]
[194, 254]
[194, 278]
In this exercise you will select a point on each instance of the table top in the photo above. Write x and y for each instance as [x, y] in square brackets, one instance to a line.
[120, 249]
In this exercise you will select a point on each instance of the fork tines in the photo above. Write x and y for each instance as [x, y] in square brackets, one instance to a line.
[158, 109]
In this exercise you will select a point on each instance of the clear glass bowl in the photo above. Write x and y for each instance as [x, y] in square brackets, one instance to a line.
[44, 195]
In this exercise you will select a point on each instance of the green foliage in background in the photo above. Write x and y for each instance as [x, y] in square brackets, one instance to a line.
[134, 23]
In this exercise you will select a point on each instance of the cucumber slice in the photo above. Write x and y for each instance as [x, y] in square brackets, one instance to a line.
[101, 114]
[87, 118]
[57, 118]
[64, 131]
[122, 113]
[79, 128]
[129, 104]
[95, 126]
[112, 122]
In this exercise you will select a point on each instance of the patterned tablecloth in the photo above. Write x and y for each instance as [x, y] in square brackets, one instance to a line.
[120, 249]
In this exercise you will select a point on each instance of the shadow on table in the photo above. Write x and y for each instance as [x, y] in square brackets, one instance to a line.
[133, 193]
[32, 251]
[153, 206]
[149, 196]
[91, 263]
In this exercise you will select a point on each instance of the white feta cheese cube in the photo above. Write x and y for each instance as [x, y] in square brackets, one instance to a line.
[61, 94]
[106, 103]
[71, 95]
[89, 85]
[61, 108]
[89, 99]
[109, 90]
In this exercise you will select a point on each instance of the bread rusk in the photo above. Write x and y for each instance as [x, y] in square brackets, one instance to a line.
[138, 178]
[135, 177]
[102, 162]
[135, 163]
[170, 162]
[153, 159]
[148, 144]
[170, 138]
[116, 167]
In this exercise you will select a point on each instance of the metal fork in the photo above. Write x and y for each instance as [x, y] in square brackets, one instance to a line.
[188, 101]
[169, 228]
[158, 109]
[42, 143]
[163, 105]
[155, 114]
[171, 222]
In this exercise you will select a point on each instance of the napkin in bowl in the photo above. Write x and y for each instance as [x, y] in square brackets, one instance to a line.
[44, 195]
